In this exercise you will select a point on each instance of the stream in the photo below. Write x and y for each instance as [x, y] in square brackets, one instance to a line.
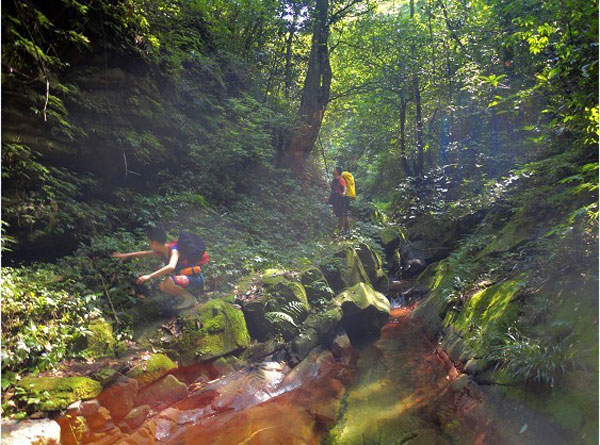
[398, 389]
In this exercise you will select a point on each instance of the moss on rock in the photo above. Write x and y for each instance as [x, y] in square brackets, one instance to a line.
[56, 393]
[100, 341]
[391, 238]
[152, 369]
[371, 261]
[435, 279]
[277, 292]
[316, 286]
[491, 310]
[216, 329]
[344, 269]
[365, 311]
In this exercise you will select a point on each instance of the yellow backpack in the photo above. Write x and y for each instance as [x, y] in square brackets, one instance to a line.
[350, 190]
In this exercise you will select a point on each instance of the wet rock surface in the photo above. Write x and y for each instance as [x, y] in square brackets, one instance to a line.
[406, 390]
[267, 402]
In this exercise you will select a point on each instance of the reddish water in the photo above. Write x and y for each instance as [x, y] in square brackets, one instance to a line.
[401, 389]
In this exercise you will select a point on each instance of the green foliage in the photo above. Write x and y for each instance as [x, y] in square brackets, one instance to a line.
[534, 360]
[282, 319]
[41, 320]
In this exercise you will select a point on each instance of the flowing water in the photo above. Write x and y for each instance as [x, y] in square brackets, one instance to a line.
[399, 389]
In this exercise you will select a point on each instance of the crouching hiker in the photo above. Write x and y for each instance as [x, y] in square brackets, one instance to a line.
[183, 258]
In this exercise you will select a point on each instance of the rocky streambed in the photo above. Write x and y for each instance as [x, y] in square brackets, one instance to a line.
[309, 357]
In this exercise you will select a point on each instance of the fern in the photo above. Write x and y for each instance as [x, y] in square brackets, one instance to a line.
[295, 309]
[279, 317]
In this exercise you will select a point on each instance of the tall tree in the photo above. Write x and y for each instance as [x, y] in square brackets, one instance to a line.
[315, 95]
[317, 85]
[418, 108]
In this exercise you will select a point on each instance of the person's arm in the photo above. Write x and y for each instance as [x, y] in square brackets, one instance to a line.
[163, 270]
[342, 183]
[140, 254]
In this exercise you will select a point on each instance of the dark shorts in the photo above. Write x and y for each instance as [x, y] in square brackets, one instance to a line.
[340, 204]
[189, 282]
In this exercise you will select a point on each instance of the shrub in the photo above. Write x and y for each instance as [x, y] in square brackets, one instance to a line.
[40, 320]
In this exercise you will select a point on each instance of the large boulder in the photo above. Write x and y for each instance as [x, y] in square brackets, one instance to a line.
[344, 269]
[374, 267]
[216, 329]
[319, 328]
[40, 432]
[391, 237]
[56, 393]
[276, 303]
[365, 311]
[119, 397]
[316, 286]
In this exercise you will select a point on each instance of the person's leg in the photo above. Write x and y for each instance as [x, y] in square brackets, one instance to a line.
[347, 213]
[346, 224]
[168, 286]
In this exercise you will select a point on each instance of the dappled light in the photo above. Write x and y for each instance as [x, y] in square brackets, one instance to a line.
[337, 222]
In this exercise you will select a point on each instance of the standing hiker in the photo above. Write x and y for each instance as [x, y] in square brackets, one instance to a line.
[338, 199]
[183, 258]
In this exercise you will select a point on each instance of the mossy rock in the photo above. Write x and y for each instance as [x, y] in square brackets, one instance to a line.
[437, 280]
[318, 328]
[371, 261]
[512, 235]
[365, 311]
[216, 329]
[101, 341]
[106, 375]
[316, 286]
[280, 293]
[391, 238]
[491, 310]
[56, 393]
[344, 269]
[152, 369]
[325, 322]
[281, 286]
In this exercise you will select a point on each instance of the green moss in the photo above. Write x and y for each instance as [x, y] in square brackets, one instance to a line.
[316, 286]
[105, 375]
[152, 369]
[390, 235]
[278, 291]
[573, 402]
[100, 342]
[344, 269]
[514, 233]
[490, 310]
[433, 309]
[55, 393]
[215, 330]
[280, 286]
[362, 296]
[365, 311]
[371, 261]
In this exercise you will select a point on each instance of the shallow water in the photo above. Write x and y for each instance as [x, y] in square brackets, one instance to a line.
[399, 389]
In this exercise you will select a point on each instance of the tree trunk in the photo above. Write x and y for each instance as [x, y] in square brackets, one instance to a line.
[288, 54]
[419, 114]
[405, 164]
[315, 94]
